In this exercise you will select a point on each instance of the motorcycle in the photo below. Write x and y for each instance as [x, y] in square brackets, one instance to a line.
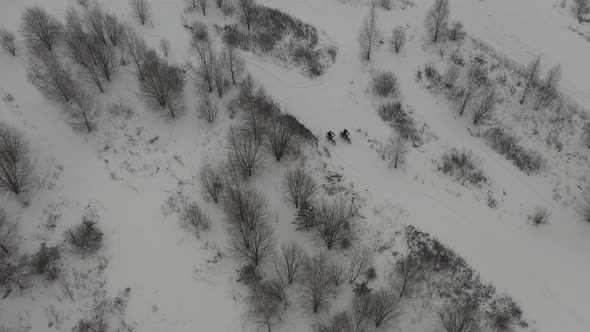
[331, 138]
[345, 137]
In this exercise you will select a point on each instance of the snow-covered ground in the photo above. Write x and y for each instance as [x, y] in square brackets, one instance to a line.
[176, 282]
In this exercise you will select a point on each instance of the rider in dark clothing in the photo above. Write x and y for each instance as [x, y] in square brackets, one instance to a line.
[345, 133]
[330, 134]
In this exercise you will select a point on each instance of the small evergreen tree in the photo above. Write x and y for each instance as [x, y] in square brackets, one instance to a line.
[306, 216]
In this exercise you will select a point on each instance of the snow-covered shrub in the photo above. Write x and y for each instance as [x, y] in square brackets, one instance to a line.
[463, 315]
[194, 219]
[14, 272]
[47, 262]
[503, 314]
[400, 120]
[432, 74]
[462, 165]
[334, 224]
[540, 216]
[384, 84]
[300, 128]
[16, 171]
[85, 238]
[234, 36]
[8, 41]
[211, 182]
[505, 143]
[249, 274]
[199, 30]
[8, 236]
[398, 38]
[208, 110]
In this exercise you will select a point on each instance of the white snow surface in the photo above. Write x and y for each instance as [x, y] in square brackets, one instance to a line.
[175, 286]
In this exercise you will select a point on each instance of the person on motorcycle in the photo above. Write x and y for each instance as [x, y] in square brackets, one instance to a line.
[345, 133]
[330, 134]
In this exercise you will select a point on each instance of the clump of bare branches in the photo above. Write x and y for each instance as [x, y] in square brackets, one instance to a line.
[204, 73]
[39, 27]
[316, 281]
[268, 301]
[94, 20]
[581, 8]
[47, 262]
[235, 63]
[8, 236]
[49, 75]
[476, 79]
[405, 274]
[485, 105]
[462, 165]
[165, 46]
[360, 260]
[341, 321]
[297, 186]
[85, 238]
[141, 10]
[398, 39]
[531, 76]
[137, 50]
[84, 110]
[211, 182]
[8, 41]
[14, 272]
[437, 20]
[548, 92]
[290, 261]
[253, 244]
[219, 73]
[334, 225]
[16, 170]
[396, 149]
[540, 216]
[244, 152]
[282, 138]
[385, 84]
[456, 31]
[248, 11]
[369, 34]
[114, 29]
[194, 219]
[462, 316]
[208, 109]
[162, 83]
[199, 31]
[385, 307]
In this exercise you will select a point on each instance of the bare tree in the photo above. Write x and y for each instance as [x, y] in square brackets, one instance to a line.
[8, 41]
[245, 207]
[164, 46]
[385, 307]
[548, 91]
[137, 50]
[581, 8]
[84, 110]
[141, 10]
[341, 321]
[219, 73]
[39, 27]
[211, 182]
[13, 273]
[248, 10]
[398, 39]
[290, 261]
[8, 236]
[235, 63]
[369, 34]
[362, 306]
[450, 76]
[208, 109]
[203, 75]
[162, 84]
[396, 149]
[334, 223]
[268, 300]
[114, 29]
[460, 317]
[405, 274]
[85, 238]
[297, 186]
[456, 31]
[16, 171]
[194, 219]
[257, 111]
[253, 244]
[282, 138]
[316, 281]
[219, 3]
[359, 261]
[485, 105]
[203, 4]
[244, 152]
[49, 75]
[437, 19]
[94, 19]
[531, 76]
[475, 80]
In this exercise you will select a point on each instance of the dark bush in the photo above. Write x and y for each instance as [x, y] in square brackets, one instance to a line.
[462, 165]
[527, 160]
[85, 238]
[371, 273]
[503, 314]
[361, 288]
[385, 84]
[249, 274]
[399, 119]
[233, 36]
[47, 262]
[540, 216]
[199, 30]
